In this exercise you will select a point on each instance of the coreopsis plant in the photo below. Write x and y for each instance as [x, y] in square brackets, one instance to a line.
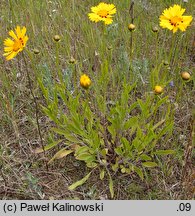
[12, 48]
[172, 18]
[16, 44]
[102, 12]
[119, 138]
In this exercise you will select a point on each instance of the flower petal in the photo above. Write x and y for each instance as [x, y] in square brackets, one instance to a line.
[12, 34]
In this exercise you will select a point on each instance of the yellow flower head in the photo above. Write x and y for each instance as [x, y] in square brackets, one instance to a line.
[15, 45]
[173, 19]
[102, 12]
[158, 89]
[85, 81]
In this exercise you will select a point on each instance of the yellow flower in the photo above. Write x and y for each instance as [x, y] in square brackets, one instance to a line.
[102, 12]
[15, 45]
[158, 89]
[173, 19]
[85, 81]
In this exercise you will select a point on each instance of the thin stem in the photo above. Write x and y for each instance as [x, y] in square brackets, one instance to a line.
[173, 49]
[59, 73]
[157, 48]
[36, 110]
[1, 171]
[132, 16]
[12, 13]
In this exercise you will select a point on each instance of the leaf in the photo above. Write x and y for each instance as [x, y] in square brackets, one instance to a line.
[91, 164]
[47, 147]
[81, 150]
[112, 131]
[149, 164]
[115, 167]
[102, 173]
[60, 154]
[87, 157]
[80, 182]
[123, 170]
[164, 152]
[139, 172]
[158, 124]
[132, 122]
[111, 186]
[119, 150]
[166, 129]
[145, 157]
[126, 144]
[66, 134]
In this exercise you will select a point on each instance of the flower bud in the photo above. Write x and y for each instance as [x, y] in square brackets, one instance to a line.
[36, 51]
[131, 27]
[165, 62]
[72, 60]
[158, 89]
[185, 75]
[85, 81]
[56, 38]
[155, 29]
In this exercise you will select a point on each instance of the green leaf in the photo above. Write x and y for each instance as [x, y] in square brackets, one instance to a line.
[66, 134]
[164, 152]
[102, 173]
[60, 154]
[44, 90]
[112, 130]
[145, 157]
[118, 150]
[80, 182]
[87, 157]
[91, 164]
[47, 147]
[166, 129]
[149, 164]
[111, 186]
[123, 170]
[139, 172]
[81, 150]
[126, 144]
[115, 167]
[160, 102]
[158, 124]
[132, 122]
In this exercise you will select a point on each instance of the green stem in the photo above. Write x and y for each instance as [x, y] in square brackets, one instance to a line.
[36, 107]
[59, 72]
[173, 48]
[156, 48]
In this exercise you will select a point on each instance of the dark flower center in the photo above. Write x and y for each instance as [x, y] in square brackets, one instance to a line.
[175, 21]
[18, 44]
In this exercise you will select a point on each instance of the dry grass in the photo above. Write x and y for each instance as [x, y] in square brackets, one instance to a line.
[23, 173]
